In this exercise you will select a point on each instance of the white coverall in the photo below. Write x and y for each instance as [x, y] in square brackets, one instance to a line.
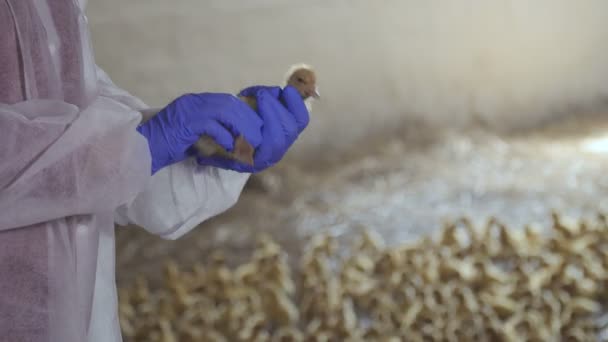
[71, 165]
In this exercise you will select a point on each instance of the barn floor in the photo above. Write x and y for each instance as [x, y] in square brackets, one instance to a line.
[402, 189]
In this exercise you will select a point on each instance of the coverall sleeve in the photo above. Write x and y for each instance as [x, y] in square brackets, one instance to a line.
[179, 197]
[58, 161]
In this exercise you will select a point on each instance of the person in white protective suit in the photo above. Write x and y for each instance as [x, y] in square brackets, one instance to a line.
[75, 160]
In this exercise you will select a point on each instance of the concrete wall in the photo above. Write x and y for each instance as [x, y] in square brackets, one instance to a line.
[380, 63]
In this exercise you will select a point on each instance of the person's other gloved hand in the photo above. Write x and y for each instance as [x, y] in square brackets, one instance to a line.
[180, 124]
[285, 116]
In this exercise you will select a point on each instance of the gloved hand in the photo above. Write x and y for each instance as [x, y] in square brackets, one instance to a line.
[180, 124]
[285, 116]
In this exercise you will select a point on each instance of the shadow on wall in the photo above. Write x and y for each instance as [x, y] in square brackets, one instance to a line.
[509, 64]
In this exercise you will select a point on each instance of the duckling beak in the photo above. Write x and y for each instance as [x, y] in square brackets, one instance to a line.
[316, 93]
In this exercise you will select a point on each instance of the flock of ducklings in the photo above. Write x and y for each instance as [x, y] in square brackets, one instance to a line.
[467, 284]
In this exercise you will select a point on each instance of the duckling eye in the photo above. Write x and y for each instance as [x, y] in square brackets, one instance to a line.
[300, 79]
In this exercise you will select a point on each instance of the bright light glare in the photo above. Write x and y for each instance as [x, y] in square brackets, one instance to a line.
[596, 145]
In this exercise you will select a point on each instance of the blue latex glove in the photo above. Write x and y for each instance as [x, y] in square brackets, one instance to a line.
[173, 131]
[285, 116]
